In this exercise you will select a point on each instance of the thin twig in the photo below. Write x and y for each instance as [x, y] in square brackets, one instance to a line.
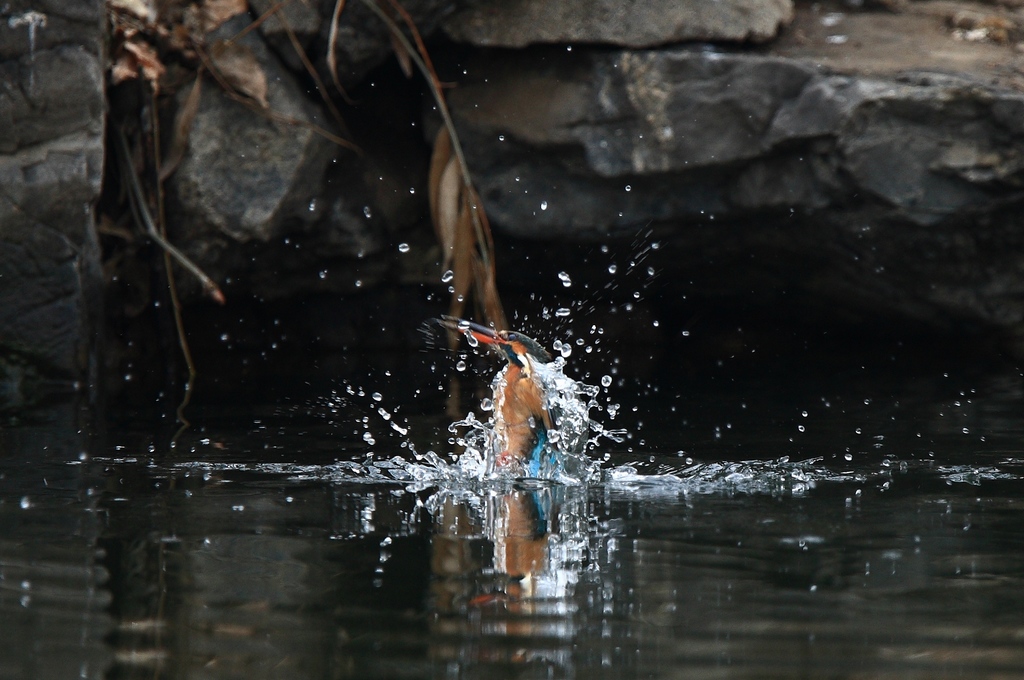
[179, 322]
[141, 212]
[186, 352]
[420, 45]
[332, 46]
[256, 24]
[442, 107]
[270, 113]
[320, 87]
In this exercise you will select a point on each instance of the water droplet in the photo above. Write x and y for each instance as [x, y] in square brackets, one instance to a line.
[803, 413]
[367, 211]
[565, 350]
[543, 205]
[831, 19]
[447, 276]
[403, 247]
[606, 381]
[501, 138]
[564, 278]
[368, 438]
[312, 205]
[486, 404]
[612, 268]
[322, 274]
[460, 366]
[629, 188]
[412, 190]
[26, 502]
[472, 340]
[376, 396]
[563, 311]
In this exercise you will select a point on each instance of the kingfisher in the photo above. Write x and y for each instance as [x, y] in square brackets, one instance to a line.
[522, 420]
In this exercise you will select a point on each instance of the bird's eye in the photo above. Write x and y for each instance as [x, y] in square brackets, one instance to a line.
[512, 337]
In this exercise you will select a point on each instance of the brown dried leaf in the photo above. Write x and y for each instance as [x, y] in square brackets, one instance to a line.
[438, 161]
[462, 254]
[487, 292]
[448, 217]
[182, 129]
[140, 9]
[137, 55]
[178, 38]
[215, 12]
[124, 68]
[398, 9]
[404, 60]
[444, 191]
[238, 66]
[485, 241]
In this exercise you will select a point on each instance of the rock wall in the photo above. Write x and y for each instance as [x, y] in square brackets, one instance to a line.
[51, 165]
[896, 190]
[879, 184]
[863, 158]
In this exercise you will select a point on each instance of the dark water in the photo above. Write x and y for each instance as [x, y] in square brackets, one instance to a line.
[812, 518]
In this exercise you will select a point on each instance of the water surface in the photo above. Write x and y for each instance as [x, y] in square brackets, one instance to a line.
[812, 518]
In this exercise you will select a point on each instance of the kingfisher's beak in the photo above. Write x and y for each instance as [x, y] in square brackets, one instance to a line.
[482, 334]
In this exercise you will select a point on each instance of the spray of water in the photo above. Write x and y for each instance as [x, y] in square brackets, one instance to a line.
[564, 458]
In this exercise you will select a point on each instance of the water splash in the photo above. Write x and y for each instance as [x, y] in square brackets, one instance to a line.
[564, 458]
[779, 477]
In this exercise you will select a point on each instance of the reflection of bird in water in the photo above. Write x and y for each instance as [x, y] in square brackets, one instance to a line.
[522, 421]
[505, 568]
[518, 525]
[499, 556]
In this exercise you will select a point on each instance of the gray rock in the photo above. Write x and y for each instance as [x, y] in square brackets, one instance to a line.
[51, 161]
[626, 23]
[247, 175]
[302, 17]
[364, 41]
[874, 195]
[277, 208]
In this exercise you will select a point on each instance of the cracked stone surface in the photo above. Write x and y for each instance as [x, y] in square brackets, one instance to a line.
[51, 163]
